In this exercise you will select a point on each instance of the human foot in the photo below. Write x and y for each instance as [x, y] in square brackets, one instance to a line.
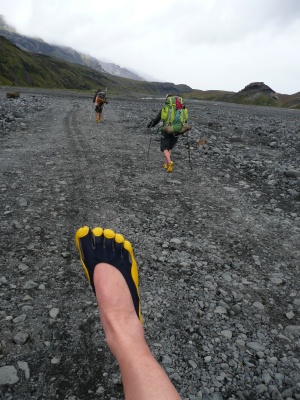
[100, 245]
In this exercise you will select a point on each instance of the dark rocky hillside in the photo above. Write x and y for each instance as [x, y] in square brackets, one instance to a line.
[256, 93]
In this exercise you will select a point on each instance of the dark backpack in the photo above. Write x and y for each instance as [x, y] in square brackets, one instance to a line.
[100, 98]
[175, 116]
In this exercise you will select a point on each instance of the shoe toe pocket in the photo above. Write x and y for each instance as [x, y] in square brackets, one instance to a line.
[97, 231]
[109, 233]
[119, 238]
[83, 239]
[82, 232]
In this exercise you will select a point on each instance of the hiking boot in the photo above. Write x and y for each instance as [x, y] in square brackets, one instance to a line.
[170, 166]
[105, 246]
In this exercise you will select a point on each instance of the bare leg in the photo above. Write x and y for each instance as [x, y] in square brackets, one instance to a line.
[167, 154]
[111, 269]
[142, 376]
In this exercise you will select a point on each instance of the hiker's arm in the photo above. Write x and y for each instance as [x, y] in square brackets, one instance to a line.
[155, 121]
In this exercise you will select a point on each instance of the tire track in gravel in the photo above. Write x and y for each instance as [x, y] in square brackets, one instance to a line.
[75, 336]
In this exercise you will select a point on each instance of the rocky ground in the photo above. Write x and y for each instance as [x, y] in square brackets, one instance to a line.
[217, 244]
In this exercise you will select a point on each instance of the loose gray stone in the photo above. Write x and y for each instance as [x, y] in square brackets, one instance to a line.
[3, 280]
[54, 312]
[167, 360]
[175, 377]
[255, 346]
[292, 173]
[21, 337]
[293, 330]
[27, 298]
[55, 360]
[290, 315]
[193, 364]
[22, 202]
[30, 285]
[260, 389]
[220, 310]
[259, 305]
[23, 267]
[20, 318]
[276, 281]
[23, 365]
[266, 378]
[100, 390]
[227, 277]
[8, 375]
[175, 241]
[240, 344]
[227, 334]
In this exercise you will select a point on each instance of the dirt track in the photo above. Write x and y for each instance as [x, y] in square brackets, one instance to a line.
[217, 248]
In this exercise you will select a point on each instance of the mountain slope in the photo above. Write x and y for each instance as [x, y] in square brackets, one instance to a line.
[22, 68]
[37, 45]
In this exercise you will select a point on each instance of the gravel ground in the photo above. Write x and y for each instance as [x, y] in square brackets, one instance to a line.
[216, 241]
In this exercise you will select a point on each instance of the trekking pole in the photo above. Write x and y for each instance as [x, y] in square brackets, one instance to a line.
[91, 119]
[104, 98]
[149, 146]
[189, 151]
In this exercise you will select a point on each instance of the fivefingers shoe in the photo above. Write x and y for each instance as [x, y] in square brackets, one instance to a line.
[170, 166]
[105, 246]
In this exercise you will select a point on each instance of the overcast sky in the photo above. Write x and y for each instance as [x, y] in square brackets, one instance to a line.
[206, 44]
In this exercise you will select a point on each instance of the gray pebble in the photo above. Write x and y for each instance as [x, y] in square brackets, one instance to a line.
[21, 337]
[54, 312]
[8, 375]
[24, 367]
[30, 285]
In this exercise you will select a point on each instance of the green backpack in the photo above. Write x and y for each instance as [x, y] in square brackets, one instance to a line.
[175, 116]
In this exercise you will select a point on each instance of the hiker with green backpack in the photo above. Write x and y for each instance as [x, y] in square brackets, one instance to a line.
[174, 116]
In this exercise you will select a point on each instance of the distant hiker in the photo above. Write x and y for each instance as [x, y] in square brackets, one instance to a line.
[174, 115]
[99, 100]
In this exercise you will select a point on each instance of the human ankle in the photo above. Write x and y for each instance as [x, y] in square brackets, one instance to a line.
[122, 331]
